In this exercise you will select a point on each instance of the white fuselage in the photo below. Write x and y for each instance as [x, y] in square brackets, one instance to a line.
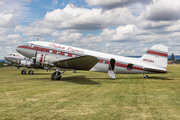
[61, 52]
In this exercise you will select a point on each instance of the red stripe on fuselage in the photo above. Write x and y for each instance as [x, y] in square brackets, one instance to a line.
[157, 53]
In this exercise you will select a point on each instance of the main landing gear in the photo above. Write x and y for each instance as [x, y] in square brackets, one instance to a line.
[23, 72]
[30, 72]
[145, 76]
[57, 75]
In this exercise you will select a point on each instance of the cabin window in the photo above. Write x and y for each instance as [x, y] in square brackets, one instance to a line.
[75, 55]
[58, 52]
[104, 61]
[50, 51]
[66, 54]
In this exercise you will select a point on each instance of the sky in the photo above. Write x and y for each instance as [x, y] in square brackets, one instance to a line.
[120, 27]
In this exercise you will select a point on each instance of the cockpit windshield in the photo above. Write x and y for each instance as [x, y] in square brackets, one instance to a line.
[11, 54]
[30, 45]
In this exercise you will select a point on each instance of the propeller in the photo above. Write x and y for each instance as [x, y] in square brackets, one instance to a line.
[18, 63]
[34, 58]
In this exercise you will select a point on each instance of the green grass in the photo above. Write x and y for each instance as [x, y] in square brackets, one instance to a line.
[89, 95]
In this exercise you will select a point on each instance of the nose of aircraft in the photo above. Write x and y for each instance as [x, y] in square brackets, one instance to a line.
[5, 57]
[18, 49]
[23, 50]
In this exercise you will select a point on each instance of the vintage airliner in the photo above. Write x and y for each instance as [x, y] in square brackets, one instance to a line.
[63, 58]
[19, 60]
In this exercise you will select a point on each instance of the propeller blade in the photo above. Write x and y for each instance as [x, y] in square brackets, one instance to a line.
[34, 60]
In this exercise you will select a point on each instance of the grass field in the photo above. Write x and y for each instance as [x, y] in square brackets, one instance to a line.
[89, 95]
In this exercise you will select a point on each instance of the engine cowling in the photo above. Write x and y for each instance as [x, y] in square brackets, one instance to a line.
[26, 63]
[42, 60]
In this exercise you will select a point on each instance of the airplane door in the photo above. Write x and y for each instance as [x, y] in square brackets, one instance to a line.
[111, 68]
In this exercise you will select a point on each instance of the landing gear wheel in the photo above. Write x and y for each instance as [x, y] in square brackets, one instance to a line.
[54, 77]
[146, 77]
[23, 72]
[31, 72]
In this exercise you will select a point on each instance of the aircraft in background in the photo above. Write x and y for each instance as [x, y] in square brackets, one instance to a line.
[63, 57]
[19, 60]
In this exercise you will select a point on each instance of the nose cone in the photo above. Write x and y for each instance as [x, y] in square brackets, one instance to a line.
[6, 58]
[25, 51]
[21, 50]
[18, 49]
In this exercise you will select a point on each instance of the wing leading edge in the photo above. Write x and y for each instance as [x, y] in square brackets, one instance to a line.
[78, 63]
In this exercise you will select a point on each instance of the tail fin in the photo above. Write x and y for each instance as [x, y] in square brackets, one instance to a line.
[156, 55]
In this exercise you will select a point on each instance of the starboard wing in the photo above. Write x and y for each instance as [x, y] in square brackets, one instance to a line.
[77, 63]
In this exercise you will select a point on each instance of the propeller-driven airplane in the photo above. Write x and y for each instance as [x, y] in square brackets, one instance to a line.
[63, 57]
[19, 60]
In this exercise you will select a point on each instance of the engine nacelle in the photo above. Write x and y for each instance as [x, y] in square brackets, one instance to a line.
[26, 63]
[43, 60]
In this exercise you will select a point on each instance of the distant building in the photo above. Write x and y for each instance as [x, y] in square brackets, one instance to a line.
[5, 65]
[173, 62]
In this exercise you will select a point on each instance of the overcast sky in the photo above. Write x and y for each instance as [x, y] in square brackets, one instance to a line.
[121, 27]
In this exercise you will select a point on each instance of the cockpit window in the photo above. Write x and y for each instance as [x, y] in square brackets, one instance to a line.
[30, 45]
[11, 54]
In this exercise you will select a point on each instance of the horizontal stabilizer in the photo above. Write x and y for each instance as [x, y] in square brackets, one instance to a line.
[77, 63]
[155, 70]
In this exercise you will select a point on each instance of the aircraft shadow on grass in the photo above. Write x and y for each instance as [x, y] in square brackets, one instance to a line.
[74, 79]
[80, 80]
[160, 78]
[42, 74]
[150, 78]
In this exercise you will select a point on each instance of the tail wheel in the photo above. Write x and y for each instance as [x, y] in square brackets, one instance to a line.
[56, 77]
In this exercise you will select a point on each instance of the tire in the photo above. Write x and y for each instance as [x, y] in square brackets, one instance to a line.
[146, 77]
[55, 78]
[30, 72]
[23, 72]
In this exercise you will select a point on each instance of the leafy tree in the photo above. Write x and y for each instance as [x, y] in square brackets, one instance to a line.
[172, 56]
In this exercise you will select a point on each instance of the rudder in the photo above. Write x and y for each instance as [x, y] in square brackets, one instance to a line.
[156, 55]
